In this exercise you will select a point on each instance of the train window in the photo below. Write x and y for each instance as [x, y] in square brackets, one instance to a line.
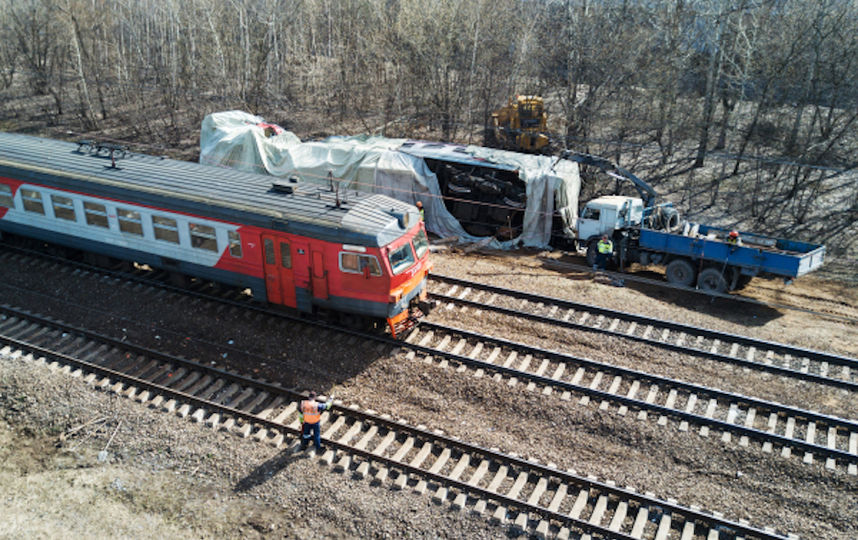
[203, 237]
[234, 243]
[63, 207]
[421, 244]
[130, 221]
[6, 196]
[349, 262]
[96, 214]
[401, 259]
[285, 255]
[268, 247]
[355, 263]
[165, 229]
[32, 201]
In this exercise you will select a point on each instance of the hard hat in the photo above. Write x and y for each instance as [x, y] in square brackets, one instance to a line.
[419, 204]
[734, 234]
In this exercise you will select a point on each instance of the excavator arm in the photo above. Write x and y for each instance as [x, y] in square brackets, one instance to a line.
[646, 192]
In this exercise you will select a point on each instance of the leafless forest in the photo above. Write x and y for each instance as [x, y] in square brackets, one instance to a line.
[743, 110]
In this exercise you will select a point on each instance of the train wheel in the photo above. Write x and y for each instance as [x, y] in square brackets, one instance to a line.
[711, 280]
[177, 279]
[350, 320]
[680, 272]
[57, 251]
[96, 259]
[121, 266]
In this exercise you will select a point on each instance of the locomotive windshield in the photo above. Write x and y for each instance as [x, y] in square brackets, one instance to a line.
[401, 258]
[421, 244]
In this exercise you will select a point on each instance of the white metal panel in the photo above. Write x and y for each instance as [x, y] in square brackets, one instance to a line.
[112, 235]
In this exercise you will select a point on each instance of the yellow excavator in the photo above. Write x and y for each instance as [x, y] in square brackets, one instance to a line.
[519, 126]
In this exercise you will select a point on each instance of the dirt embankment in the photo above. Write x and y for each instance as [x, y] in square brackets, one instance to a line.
[162, 477]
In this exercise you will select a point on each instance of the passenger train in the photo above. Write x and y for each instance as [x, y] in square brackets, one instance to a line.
[316, 249]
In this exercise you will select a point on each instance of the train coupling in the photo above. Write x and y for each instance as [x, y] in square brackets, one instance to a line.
[425, 304]
[419, 307]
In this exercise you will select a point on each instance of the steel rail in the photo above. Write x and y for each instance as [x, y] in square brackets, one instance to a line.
[643, 405]
[525, 375]
[672, 325]
[693, 290]
[250, 304]
[687, 513]
[759, 366]
[638, 404]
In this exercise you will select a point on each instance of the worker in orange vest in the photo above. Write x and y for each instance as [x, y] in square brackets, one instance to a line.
[310, 412]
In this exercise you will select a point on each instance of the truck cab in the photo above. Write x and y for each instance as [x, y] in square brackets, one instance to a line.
[608, 214]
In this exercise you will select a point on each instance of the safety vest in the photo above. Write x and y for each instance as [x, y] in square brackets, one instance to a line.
[422, 215]
[310, 410]
[606, 246]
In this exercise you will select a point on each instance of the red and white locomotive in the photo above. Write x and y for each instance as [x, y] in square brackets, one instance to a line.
[308, 247]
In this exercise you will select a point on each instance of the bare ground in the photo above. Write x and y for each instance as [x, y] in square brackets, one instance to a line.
[200, 483]
[167, 478]
[170, 478]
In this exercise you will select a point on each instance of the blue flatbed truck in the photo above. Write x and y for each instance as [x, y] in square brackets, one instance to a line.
[648, 233]
[693, 254]
[720, 265]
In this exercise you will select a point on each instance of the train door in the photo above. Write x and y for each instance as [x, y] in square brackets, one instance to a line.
[279, 277]
[320, 276]
[301, 264]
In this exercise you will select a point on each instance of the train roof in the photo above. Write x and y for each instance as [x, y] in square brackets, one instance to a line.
[451, 152]
[212, 192]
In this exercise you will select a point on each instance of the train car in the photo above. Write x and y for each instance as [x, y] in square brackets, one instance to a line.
[316, 249]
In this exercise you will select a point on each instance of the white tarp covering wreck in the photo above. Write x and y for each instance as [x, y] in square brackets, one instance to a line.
[508, 197]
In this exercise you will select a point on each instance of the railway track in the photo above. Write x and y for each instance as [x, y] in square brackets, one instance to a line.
[736, 417]
[773, 425]
[762, 355]
[840, 310]
[536, 498]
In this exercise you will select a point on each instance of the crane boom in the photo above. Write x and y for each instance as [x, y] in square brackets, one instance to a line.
[647, 193]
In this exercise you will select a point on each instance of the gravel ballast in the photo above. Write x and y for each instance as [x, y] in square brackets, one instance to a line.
[740, 482]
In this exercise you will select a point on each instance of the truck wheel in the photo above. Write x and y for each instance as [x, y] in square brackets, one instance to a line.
[669, 218]
[711, 280]
[680, 272]
[592, 251]
[743, 281]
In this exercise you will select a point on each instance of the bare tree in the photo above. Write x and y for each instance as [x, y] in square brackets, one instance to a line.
[664, 84]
